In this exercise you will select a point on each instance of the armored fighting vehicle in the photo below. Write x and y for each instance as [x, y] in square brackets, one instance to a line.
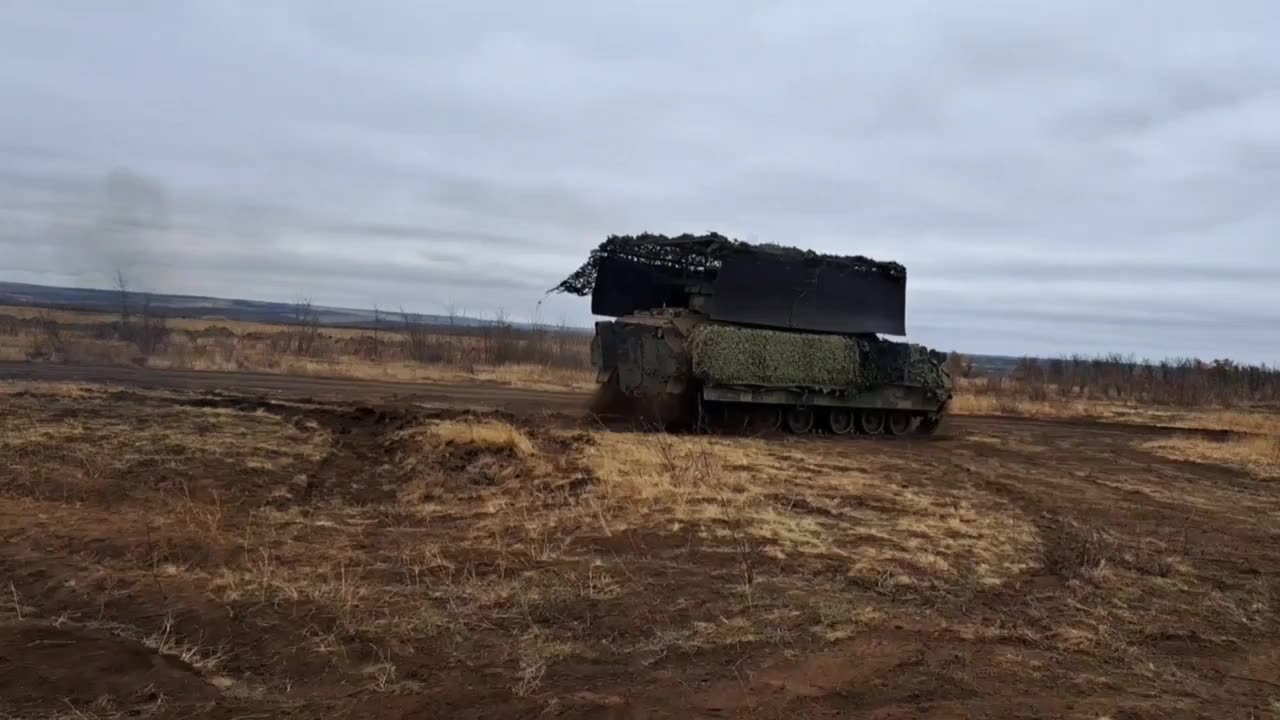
[734, 336]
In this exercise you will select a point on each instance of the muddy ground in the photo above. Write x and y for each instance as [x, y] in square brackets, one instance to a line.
[186, 552]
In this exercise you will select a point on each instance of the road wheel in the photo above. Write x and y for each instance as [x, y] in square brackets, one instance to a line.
[899, 423]
[840, 421]
[932, 425]
[764, 419]
[799, 420]
[871, 422]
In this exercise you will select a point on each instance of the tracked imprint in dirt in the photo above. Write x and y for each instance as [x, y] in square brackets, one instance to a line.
[217, 555]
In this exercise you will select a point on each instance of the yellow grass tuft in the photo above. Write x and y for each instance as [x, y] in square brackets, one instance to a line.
[57, 389]
[486, 434]
[646, 466]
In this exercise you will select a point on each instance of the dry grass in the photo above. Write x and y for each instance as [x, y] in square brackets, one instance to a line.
[56, 389]
[1257, 455]
[173, 435]
[968, 401]
[226, 346]
[736, 490]
[540, 554]
[672, 469]
[484, 434]
[75, 317]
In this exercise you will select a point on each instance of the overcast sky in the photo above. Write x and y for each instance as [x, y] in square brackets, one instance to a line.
[1056, 176]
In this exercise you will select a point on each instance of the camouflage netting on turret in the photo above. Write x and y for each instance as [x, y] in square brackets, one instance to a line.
[733, 355]
[698, 256]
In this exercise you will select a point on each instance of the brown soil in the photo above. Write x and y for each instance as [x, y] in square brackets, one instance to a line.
[179, 553]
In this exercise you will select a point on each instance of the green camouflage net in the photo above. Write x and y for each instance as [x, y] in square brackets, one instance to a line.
[735, 355]
[895, 362]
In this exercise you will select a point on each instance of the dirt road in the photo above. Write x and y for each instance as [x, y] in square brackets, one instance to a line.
[489, 396]
[477, 395]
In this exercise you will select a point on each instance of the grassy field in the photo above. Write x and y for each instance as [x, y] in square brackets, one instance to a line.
[1105, 389]
[170, 554]
[547, 358]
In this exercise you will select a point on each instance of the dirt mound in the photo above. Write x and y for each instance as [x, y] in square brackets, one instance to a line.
[47, 667]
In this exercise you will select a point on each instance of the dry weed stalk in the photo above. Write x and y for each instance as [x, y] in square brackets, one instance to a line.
[529, 679]
[17, 606]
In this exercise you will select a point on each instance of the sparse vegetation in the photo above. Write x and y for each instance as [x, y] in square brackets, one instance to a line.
[1189, 393]
[539, 357]
[1257, 454]
[296, 557]
[1185, 393]
[1121, 379]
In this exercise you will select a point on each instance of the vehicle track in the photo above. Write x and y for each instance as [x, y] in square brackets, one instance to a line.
[477, 395]
[487, 395]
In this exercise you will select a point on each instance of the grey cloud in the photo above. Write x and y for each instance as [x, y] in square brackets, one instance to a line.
[1119, 270]
[408, 232]
[1055, 176]
[1166, 101]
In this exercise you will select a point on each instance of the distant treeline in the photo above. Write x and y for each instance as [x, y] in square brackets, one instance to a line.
[1118, 377]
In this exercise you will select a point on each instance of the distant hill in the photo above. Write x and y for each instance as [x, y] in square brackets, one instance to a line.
[195, 306]
[993, 364]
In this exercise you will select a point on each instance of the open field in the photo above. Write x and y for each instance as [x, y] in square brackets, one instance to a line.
[320, 549]
[1187, 393]
[1244, 419]
[401, 351]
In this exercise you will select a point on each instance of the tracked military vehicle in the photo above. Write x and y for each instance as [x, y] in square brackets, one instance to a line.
[716, 333]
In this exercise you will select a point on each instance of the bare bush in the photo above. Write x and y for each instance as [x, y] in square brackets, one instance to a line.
[151, 332]
[47, 342]
[1121, 378]
[499, 343]
[148, 332]
[374, 346]
[424, 345]
[306, 328]
[122, 288]
[959, 365]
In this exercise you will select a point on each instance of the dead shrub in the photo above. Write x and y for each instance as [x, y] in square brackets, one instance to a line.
[1071, 551]
[1009, 405]
[10, 326]
[47, 341]
[425, 346]
[151, 333]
